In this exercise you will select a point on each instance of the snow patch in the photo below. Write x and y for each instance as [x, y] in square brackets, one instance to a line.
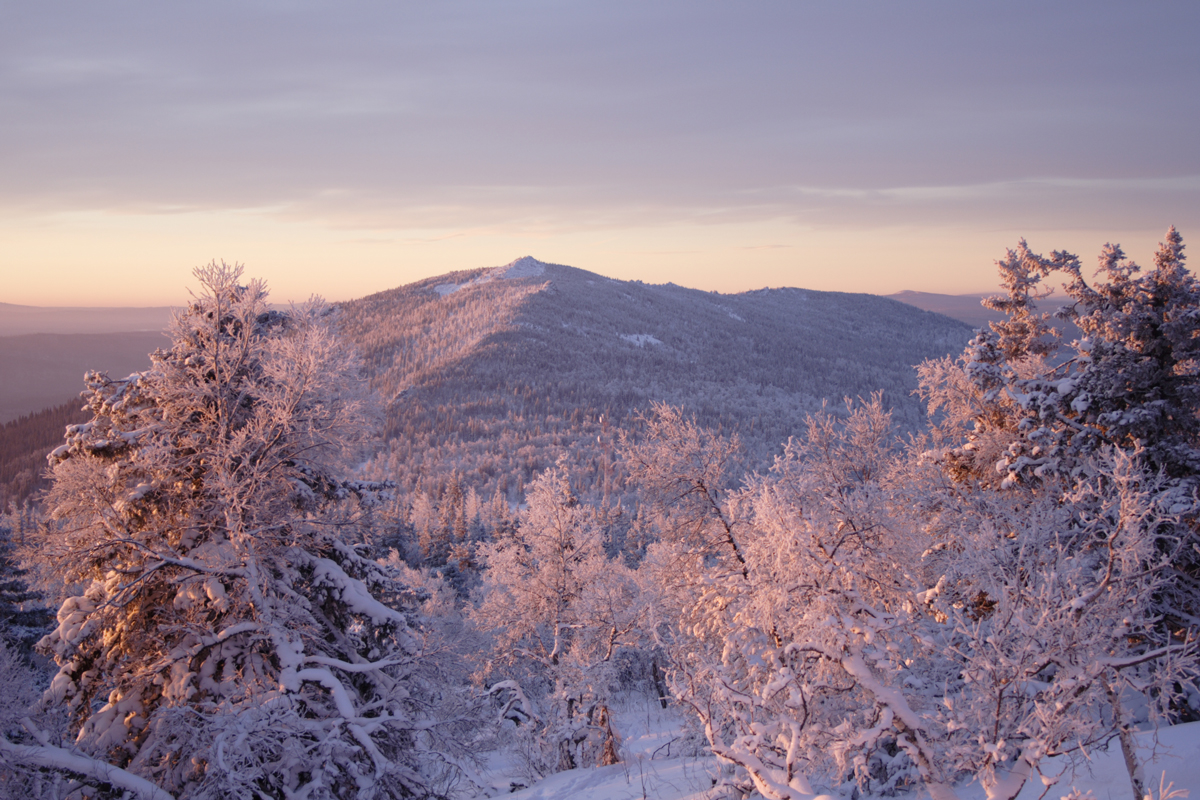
[523, 267]
[640, 339]
[732, 314]
[651, 765]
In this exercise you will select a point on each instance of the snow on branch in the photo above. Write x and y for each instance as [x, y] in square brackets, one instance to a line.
[55, 758]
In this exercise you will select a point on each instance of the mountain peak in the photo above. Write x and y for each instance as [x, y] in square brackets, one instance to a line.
[523, 267]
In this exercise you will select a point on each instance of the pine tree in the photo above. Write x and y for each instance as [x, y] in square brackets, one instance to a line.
[1017, 412]
[1027, 408]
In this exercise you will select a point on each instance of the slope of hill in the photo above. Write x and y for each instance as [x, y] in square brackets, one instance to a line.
[489, 375]
[24, 444]
[494, 373]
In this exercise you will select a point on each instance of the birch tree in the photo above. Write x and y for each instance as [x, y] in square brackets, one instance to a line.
[888, 629]
[559, 611]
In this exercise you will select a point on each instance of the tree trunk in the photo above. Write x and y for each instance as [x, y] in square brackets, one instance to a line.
[1128, 747]
[660, 684]
[608, 750]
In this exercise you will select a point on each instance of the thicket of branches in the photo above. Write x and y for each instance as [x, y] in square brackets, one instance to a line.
[1017, 583]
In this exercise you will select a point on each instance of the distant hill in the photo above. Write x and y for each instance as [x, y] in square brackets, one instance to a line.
[24, 444]
[18, 320]
[41, 370]
[962, 307]
[968, 308]
[44, 353]
[491, 374]
[45, 350]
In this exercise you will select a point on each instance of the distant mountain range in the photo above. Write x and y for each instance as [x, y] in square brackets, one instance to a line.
[40, 370]
[18, 320]
[489, 375]
[966, 308]
[44, 351]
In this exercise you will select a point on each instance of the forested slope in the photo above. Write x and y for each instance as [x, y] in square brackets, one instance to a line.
[492, 374]
[24, 444]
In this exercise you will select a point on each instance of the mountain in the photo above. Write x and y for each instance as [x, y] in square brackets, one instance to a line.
[45, 350]
[44, 353]
[24, 444]
[490, 375]
[42, 378]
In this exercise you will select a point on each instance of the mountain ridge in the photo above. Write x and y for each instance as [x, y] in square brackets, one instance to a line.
[496, 378]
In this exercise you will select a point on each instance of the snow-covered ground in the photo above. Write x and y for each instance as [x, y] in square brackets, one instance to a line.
[651, 766]
[1173, 753]
[654, 769]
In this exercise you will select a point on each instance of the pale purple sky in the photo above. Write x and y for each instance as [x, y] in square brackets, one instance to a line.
[346, 148]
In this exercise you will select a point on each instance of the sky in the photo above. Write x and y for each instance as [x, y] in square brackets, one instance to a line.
[346, 148]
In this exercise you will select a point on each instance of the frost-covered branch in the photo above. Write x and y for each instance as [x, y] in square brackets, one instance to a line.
[50, 757]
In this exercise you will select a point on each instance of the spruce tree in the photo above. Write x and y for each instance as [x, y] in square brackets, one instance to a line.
[230, 639]
[23, 620]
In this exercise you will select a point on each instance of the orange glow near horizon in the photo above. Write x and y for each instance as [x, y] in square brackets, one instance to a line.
[344, 151]
[114, 259]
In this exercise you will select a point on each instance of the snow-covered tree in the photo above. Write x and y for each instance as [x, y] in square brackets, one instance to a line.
[1052, 601]
[23, 618]
[1020, 412]
[1021, 408]
[762, 611]
[559, 611]
[888, 628]
[684, 474]
[230, 639]
[1046, 423]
